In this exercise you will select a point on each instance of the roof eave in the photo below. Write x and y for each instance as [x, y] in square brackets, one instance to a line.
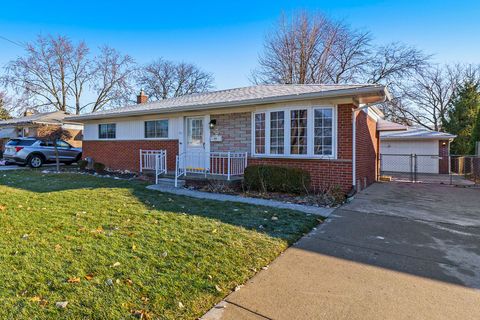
[417, 138]
[379, 90]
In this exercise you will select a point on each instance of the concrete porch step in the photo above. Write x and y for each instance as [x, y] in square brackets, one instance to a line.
[168, 182]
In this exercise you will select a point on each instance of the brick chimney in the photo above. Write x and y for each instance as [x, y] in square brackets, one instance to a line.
[28, 112]
[142, 97]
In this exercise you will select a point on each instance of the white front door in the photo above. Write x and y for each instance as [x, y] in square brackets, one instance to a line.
[196, 145]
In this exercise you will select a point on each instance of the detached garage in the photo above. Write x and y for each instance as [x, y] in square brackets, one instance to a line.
[432, 149]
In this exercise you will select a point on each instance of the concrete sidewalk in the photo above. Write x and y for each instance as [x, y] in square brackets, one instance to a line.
[321, 211]
[370, 265]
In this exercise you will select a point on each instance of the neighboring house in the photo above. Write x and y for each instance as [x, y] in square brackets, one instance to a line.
[38, 125]
[302, 126]
[431, 147]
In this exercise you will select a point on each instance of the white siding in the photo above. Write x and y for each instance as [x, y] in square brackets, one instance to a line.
[130, 129]
[395, 155]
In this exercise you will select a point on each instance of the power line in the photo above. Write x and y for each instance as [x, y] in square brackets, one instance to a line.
[14, 42]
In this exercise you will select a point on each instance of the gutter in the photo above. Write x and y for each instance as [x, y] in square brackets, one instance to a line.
[381, 90]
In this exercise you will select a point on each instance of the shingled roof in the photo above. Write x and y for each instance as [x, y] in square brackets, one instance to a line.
[55, 117]
[259, 94]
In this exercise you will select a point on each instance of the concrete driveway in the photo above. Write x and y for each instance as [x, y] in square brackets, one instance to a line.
[398, 251]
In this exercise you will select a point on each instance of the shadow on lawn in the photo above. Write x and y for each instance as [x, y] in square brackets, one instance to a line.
[289, 226]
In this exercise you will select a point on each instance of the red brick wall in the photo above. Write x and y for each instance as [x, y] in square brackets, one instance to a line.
[443, 153]
[125, 154]
[324, 173]
[367, 146]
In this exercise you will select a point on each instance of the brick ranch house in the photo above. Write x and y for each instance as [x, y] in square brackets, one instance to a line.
[328, 130]
[39, 125]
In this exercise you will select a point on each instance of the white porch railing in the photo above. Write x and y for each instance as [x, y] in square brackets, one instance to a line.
[160, 164]
[153, 160]
[214, 163]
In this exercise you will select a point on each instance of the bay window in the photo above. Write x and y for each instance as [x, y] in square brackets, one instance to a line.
[295, 132]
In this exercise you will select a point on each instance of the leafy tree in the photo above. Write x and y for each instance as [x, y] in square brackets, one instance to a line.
[462, 116]
[476, 131]
[4, 114]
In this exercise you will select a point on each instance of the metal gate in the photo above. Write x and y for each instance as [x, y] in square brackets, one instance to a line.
[416, 168]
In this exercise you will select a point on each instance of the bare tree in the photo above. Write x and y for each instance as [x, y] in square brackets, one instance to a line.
[164, 79]
[311, 48]
[429, 96]
[425, 100]
[53, 136]
[314, 49]
[298, 51]
[348, 59]
[55, 73]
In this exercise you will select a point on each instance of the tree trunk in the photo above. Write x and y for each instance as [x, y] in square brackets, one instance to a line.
[57, 159]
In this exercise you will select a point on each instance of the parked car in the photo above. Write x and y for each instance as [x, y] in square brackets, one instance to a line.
[35, 152]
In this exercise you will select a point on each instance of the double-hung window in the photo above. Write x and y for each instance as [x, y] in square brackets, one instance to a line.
[107, 131]
[323, 132]
[156, 129]
[295, 132]
[277, 132]
[259, 133]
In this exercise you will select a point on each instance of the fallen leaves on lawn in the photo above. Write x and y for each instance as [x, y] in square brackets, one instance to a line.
[129, 281]
[41, 301]
[3, 208]
[134, 247]
[73, 280]
[116, 264]
[218, 288]
[140, 314]
[98, 230]
[180, 305]
[88, 277]
[61, 304]
[58, 247]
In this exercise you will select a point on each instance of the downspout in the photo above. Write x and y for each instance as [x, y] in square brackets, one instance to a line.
[354, 141]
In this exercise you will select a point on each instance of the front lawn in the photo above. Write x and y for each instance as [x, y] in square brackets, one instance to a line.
[115, 250]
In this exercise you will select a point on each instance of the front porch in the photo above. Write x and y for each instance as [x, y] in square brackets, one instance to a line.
[228, 166]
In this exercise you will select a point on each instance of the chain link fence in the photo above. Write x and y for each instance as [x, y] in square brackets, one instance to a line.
[455, 170]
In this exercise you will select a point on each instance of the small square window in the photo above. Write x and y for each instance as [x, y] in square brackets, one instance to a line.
[156, 129]
[107, 131]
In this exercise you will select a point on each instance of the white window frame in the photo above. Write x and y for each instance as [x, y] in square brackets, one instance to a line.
[151, 120]
[107, 123]
[310, 132]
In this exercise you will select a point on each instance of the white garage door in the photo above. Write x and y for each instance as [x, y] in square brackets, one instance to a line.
[395, 155]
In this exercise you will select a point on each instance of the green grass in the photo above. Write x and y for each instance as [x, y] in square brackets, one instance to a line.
[172, 251]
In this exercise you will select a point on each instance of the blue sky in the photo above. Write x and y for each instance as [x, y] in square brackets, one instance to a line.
[225, 37]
